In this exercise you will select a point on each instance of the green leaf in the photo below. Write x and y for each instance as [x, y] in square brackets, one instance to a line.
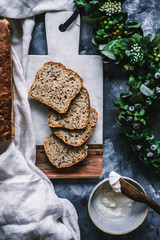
[129, 67]
[117, 61]
[82, 3]
[106, 35]
[141, 63]
[125, 95]
[131, 79]
[114, 46]
[143, 121]
[146, 91]
[126, 107]
[107, 50]
[101, 46]
[145, 159]
[156, 41]
[156, 143]
[137, 37]
[150, 37]
[149, 101]
[134, 26]
[109, 55]
[114, 20]
[94, 42]
[156, 165]
[137, 84]
[94, 2]
[92, 21]
[148, 150]
[136, 114]
[150, 137]
[128, 53]
[129, 113]
[153, 160]
[144, 41]
[118, 121]
[148, 75]
[100, 32]
[137, 98]
[120, 101]
[115, 103]
[142, 112]
[105, 61]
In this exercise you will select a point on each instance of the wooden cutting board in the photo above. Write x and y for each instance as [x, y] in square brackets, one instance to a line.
[63, 47]
[91, 167]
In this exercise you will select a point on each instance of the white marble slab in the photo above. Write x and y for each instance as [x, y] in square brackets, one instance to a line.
[63, 48]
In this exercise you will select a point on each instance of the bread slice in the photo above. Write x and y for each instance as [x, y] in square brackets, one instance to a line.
[56, 86]
[77, 116]
[62, 155]
[78, 137]
[6, 88]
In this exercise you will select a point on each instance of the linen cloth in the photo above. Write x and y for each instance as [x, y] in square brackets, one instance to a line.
[29, 206]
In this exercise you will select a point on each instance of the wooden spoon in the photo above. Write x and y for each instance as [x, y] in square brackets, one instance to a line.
[133, 193]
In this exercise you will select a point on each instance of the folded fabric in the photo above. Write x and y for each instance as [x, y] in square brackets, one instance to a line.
[29, 207]
[20, 9]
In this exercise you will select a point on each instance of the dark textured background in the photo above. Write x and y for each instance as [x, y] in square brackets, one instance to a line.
[117, 154]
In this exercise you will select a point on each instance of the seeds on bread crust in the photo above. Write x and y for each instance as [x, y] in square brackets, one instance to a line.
[62, 155]
[6, 83]
[78, 136]
[56, 86]
[77, 116]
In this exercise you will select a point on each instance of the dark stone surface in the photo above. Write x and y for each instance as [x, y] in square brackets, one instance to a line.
[117, 155]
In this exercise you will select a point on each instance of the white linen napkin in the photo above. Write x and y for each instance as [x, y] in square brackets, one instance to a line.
[29, 207]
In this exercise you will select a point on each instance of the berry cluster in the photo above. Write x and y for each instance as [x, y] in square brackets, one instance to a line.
[109, 28]
[157, 75]
[111, 7]
[131, 118]
[151, 150]
[153, 82]
[119, 31]
[135, 122]
[136, 54]
[155, 56]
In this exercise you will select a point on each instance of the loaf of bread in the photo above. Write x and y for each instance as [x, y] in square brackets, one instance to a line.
[56, 86]
[62, 155]
[77, 137]
[6, 94]
[77, 116]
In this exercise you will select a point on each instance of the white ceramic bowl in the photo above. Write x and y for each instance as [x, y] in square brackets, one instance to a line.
[117, 226]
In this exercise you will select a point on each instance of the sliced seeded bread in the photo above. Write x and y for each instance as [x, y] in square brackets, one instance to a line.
[62, 155]
[77, 137]
[77, 116]
[56, 86]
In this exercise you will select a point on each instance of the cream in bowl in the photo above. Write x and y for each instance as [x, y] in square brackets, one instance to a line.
[111, 211]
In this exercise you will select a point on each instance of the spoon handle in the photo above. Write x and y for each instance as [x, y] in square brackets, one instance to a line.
[151, 203]
[133, 193]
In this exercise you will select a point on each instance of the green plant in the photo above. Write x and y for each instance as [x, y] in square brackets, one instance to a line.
[120, 40]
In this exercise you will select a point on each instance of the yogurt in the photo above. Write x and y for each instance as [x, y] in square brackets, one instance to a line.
[114, 181]
[112, 203]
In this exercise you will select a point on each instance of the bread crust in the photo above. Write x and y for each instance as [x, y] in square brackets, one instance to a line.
[67, 127]
[68, 165]
[62, 66]
[85, 139]
[6, 93]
